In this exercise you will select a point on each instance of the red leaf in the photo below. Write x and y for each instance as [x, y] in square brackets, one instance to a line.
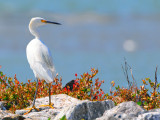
[76, 74]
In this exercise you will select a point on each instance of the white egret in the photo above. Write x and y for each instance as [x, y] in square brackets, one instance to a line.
[39, 57]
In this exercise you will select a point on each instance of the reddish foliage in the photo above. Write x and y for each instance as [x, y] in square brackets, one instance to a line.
[18, 95]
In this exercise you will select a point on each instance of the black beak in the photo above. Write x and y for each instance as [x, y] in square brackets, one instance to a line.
[53, 22]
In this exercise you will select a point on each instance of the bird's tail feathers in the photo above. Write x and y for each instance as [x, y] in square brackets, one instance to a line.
[43, 72]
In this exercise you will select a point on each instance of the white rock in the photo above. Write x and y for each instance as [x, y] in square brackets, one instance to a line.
[60, 101]
[150, 115]
[73, 108]
[6, 115]
[125, 110]
[2, 107]
[86, 110]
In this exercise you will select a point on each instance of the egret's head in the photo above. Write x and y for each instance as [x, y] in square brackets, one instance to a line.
[38, 21]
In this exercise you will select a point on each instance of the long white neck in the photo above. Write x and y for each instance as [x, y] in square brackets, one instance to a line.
[34, 31]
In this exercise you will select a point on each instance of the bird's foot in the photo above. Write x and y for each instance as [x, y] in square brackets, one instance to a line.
[50, 105]
[30, 109]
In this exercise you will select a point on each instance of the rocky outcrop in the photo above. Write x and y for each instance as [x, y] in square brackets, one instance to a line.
[150, 115]
[2, 107]
[86, 110]
[130, 111]
[6, 115]
[126, 110]
[70, 107]
[60, 101]
[74, 109]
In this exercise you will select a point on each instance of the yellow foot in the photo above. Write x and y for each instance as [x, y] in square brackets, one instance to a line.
[50, 105]
[30, 109]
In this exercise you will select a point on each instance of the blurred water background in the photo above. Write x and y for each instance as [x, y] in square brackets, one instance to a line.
[94, 34]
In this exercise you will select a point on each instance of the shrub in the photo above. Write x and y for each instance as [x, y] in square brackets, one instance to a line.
[18, 95]
[142, 96]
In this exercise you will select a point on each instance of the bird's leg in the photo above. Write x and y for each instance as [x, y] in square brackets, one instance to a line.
[33, 104]
[50, 104]
[49, 95]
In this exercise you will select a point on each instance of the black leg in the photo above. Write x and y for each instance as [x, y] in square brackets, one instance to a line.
[35, 94]
[49, 94]
[33, 104]
[50, 104]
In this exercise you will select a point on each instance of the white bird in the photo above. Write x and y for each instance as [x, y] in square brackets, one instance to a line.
[39, 56]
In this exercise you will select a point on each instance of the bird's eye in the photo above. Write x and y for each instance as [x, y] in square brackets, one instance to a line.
[44, 21]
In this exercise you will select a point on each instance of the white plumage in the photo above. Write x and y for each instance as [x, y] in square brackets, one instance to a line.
[40, 60]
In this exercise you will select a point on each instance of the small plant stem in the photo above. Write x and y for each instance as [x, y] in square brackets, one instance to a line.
[125, 70]
[155, 86]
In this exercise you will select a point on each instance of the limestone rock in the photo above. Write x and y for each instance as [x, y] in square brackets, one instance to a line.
[124, 111]
[86, 110]
[60, 101]
[150, 115]
[73, 108]
[6, 115]
[2, 107]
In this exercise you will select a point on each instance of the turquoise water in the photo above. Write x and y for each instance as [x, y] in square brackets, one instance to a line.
[93, 34]
[80, 6]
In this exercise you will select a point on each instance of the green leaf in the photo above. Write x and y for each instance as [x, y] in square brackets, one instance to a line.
[115, 103]
[145, 103]
[106, 94]
[78, 97]
[117, 87]
[151, 84]
[6, 98]
[89, 89]
[133, 95]
[85, 90]
[63, 118]
[1, 73]
[8, 104]
[139, 103]
[158, 85]
[149, 80]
